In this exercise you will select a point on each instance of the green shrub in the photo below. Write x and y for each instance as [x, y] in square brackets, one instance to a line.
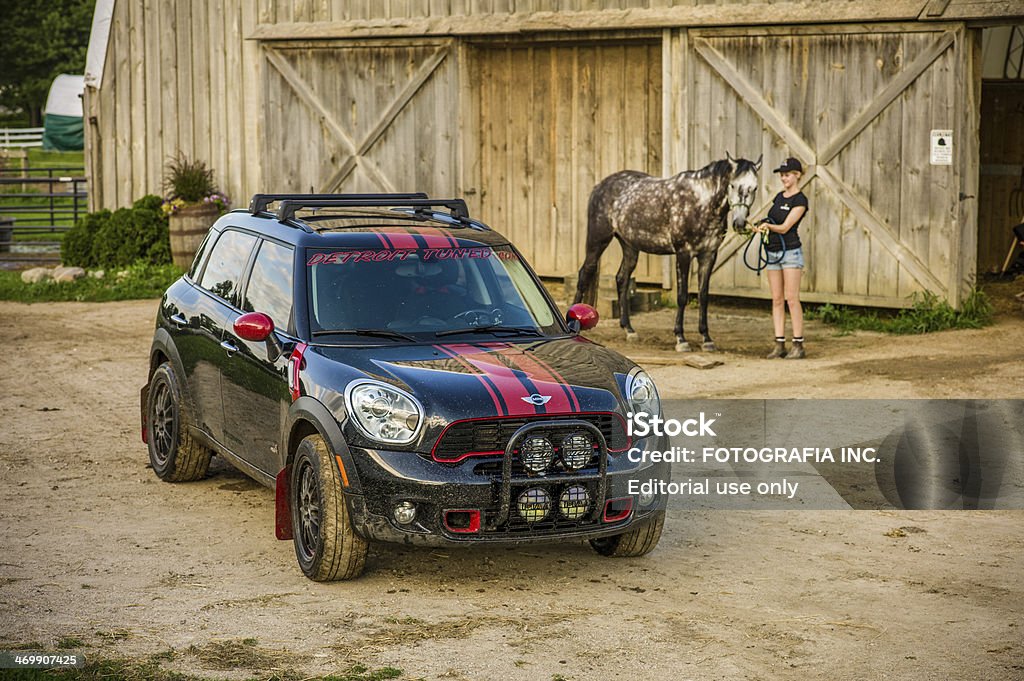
[121, 238]
[76, 247]
[927, 313]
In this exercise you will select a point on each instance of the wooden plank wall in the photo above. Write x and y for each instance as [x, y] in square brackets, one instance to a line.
[326, 102]
[179, 76]
[552, 122]
[883, 221]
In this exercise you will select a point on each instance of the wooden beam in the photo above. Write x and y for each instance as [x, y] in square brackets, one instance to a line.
[760, 13]
[935, 8]
[979, 9]
[753, 98]
[883, 233]
[886, 97]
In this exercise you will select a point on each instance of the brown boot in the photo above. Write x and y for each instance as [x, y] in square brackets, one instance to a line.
[797, 351]
[778, 351]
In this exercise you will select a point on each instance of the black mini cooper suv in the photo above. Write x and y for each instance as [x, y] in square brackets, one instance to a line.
[397, 372]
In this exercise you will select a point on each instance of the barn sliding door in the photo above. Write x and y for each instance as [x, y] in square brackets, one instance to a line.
[858, 106]
[360, 117]
[552, 121]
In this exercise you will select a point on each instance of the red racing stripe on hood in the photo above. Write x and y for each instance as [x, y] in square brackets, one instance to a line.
[511, 387]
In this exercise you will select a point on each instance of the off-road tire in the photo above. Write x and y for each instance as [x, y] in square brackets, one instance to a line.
[637, 542]
[174, 454]
[326, 546]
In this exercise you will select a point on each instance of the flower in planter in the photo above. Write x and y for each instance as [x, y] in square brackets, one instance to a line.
[190, 183]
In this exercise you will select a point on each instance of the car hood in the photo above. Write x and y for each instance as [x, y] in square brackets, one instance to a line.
[470, 380]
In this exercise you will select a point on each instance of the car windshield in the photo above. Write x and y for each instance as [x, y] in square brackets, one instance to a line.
[426, 294]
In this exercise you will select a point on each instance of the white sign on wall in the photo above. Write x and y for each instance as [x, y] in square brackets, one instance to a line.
[942, 148]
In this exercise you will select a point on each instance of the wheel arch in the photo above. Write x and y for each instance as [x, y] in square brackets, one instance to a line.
[308, 416]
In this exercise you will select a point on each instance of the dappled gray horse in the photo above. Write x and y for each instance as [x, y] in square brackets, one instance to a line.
[686, 214]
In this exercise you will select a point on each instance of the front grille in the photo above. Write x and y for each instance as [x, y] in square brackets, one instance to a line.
[490, 436]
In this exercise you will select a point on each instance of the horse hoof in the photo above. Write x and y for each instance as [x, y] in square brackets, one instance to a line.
[683, 346]
[709, 347]
[632, 336]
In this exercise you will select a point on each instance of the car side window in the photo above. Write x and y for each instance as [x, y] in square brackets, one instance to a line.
[270, 284]
[223, 274]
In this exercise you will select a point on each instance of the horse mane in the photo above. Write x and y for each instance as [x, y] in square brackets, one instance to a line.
[712, 169]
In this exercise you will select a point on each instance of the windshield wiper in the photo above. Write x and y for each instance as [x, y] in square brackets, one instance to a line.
[492, 328]
[383, 333]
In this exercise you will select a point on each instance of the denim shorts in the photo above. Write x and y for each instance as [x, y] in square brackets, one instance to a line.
[791, 260]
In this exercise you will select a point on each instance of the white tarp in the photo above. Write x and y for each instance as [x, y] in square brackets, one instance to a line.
[97, 54]
[65, 98]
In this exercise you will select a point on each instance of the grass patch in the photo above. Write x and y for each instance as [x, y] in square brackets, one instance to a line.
[927, 314]
[139, 282]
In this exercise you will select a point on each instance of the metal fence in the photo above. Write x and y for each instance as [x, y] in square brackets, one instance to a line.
[21, 137]
[37, 205]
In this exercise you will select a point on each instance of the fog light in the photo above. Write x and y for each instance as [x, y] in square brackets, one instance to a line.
[536, 453]
[404, 513]
[646, 497]
[574, 502]
[534, 505]
[576, 451]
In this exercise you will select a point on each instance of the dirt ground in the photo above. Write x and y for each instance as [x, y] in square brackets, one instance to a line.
[100, 556]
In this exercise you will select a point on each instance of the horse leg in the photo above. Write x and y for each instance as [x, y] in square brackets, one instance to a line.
[682, 297]
[630, 256]
[706, 261]
[599, 235]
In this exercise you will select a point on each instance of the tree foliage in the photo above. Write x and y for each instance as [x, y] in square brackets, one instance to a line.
[40, 41]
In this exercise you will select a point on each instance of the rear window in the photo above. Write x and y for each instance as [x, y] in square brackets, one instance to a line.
[223, 273]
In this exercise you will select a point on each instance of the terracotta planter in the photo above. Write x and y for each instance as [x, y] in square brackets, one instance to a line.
[188, 227]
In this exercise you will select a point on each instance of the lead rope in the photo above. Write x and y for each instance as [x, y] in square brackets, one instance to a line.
[764, 256]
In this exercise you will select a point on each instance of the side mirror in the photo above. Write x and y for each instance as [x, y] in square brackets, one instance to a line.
[581, 317]
[254, 327]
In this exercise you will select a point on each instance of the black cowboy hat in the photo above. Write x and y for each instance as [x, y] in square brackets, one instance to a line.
[789, 165]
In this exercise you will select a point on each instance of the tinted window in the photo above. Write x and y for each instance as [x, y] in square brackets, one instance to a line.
[203, 249]
[224, 270]
[270, 285]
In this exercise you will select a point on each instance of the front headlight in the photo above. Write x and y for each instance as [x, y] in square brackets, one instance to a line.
[384, 412]
[641, 393]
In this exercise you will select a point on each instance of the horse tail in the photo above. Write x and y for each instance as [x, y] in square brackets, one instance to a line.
[599, 235]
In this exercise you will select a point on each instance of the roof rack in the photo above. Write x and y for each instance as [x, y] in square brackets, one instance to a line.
[259, 202]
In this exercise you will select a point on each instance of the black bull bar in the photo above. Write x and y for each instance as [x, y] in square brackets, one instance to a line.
[506, 470]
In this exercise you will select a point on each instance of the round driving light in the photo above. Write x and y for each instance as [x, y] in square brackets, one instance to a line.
[404, 513]
[534, 505]
[574, 502]
[576, 451]
[536, 453]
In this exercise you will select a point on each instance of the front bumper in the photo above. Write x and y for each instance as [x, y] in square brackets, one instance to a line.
[490, 487]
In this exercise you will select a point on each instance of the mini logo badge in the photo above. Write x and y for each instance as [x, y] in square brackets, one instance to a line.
[536, 399]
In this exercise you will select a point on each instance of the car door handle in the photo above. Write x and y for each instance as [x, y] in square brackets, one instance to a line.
[179, 319]
[229, 346]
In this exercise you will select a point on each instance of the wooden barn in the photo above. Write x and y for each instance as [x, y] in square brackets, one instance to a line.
[909, 115]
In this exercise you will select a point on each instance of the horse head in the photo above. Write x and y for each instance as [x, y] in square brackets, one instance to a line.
[743, 183]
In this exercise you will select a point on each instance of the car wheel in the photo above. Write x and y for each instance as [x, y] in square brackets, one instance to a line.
[326, 546]
[174, 454]
[637, 542]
